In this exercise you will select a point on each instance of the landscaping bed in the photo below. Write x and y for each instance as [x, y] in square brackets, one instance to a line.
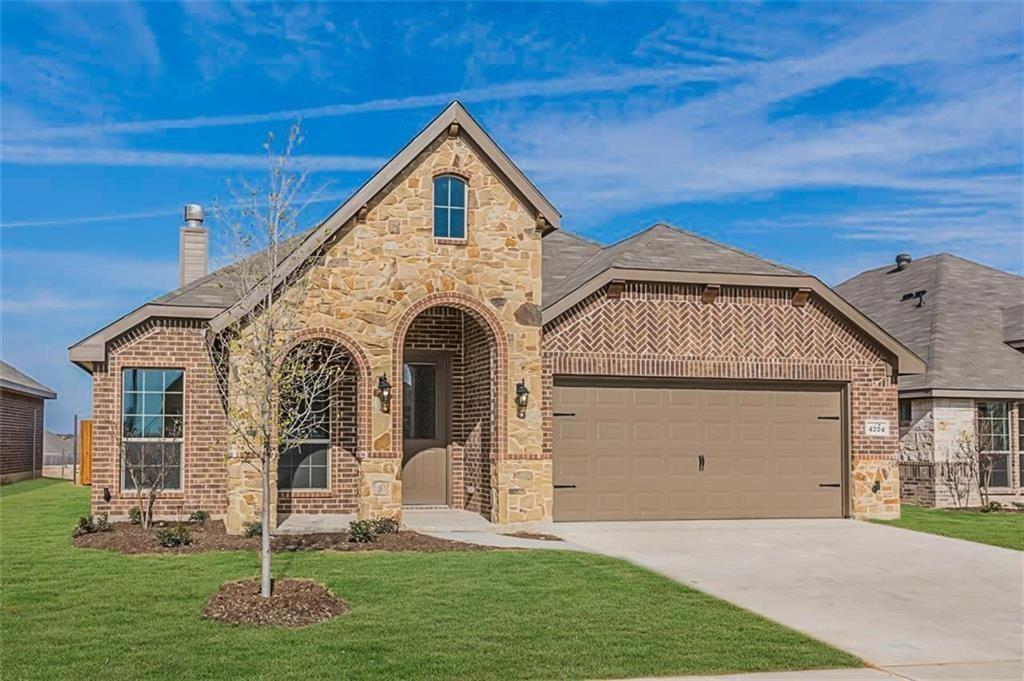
[211, 536]
[293, 603]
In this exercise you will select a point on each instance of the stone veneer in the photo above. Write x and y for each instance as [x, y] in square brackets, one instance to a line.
[378, 275]
[665, 330]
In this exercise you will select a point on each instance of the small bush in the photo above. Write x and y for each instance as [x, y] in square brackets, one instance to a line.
[361, 531]
[1019, 505]
[87, 525]
[176, 535]
[199, 517]
[135, 516]
[991, 507]
[254, 529]
[385, 526]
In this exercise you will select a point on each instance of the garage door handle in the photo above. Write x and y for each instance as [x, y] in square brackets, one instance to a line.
[828, 418]
[829, 484]
[700, 462]
[564, 413]
[565, 486]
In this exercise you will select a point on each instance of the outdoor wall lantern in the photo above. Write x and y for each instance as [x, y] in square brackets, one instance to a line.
[106, 494]
[384, 393]
[522, 398]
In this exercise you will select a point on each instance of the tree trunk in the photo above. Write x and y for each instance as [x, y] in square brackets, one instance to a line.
[265, 547]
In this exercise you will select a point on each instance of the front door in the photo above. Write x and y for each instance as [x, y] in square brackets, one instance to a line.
[425, 422]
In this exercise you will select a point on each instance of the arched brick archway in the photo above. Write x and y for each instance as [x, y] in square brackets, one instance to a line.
[477, 437]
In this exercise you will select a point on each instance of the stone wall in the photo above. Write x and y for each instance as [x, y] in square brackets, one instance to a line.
[665, 330]
[378, 275]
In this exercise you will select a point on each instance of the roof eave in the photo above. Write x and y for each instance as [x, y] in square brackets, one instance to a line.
[93, 348]
[908, 363]
[13, 386]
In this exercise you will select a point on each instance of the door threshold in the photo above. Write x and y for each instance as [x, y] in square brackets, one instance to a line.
[426, 507]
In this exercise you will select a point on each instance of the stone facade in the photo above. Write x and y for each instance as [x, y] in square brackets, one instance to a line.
[665, 330]
[931, 440]
[382, 272]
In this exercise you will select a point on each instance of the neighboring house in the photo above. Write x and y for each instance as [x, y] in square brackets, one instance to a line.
[967, 321]
[666, 376]
[22, 403]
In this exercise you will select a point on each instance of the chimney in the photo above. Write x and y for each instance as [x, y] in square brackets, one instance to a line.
[193, 245]
[902, 260]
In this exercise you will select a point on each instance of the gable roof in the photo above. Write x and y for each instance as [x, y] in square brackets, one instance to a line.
[660, 247]
[664, 253]
[15, 381]
[214, 298]
[960, 329]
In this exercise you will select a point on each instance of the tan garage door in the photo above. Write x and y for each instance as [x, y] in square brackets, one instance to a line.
[642, 451]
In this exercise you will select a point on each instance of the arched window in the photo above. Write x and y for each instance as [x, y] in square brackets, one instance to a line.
[449, 207]
[304, 460]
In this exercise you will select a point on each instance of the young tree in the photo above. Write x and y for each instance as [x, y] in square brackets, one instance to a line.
[144, 466]
[275, 386]
[958, 472]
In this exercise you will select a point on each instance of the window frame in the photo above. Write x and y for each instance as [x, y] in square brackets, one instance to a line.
[993, 453]
[906, 404]
[448, 207]
[325, 442]
[179, 440]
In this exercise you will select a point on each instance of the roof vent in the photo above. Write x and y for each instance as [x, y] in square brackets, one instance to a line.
[902, 260]
[194, 216]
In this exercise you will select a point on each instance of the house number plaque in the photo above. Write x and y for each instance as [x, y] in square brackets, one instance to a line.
[876, 428]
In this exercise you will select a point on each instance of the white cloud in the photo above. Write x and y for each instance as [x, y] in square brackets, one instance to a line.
[40, 155]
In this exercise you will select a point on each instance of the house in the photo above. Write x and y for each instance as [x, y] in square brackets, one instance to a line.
[22, 404]
[967, 321]
[534, 375]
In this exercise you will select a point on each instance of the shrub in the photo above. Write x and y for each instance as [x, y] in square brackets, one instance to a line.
[1019, 505]
[199, 517]
[87, 525]
[176, 535]
[135, 516]
[253, 529]
[991, 507]
[385, 526]
[361, 531]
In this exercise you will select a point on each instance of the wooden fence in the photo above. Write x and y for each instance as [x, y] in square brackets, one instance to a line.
[85, 452]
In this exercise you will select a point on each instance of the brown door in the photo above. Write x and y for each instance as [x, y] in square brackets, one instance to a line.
[626, 451]
[425, 418]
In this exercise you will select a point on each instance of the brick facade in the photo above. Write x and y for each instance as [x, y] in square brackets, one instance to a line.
[163, 344]
[665, 330]
[21, 436]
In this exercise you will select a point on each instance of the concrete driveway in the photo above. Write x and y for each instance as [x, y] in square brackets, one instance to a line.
[914, 604]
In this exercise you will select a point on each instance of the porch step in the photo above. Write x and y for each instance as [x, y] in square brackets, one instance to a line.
[313, 523]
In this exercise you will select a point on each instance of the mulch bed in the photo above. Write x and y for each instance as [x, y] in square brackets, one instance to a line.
[534, 535]
[211, 536]
[293, 603]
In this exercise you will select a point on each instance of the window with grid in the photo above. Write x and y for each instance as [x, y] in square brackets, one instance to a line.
[449, 207]
[152, 427]
[1020, 443]
[303, 462]
[993, 426]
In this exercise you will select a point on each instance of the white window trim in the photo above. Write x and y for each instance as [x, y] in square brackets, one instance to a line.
[1009, 439]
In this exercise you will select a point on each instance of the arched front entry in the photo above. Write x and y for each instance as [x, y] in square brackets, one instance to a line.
[446, 414]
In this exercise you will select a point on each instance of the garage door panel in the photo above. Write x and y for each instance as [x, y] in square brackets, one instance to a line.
[633, 453]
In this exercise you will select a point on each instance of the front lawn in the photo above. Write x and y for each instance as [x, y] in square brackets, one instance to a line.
[76, 613]
[1004, 529]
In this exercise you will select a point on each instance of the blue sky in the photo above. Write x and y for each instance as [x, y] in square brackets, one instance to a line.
[827, 137]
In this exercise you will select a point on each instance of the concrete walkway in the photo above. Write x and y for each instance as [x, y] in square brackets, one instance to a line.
[475, 529]
[971, 672]
[915, 605]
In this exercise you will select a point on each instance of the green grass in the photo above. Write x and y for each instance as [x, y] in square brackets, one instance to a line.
[997, 529]
[90, 614]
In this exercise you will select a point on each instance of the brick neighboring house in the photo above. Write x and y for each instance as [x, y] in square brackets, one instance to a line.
[22, 403]
[665, 376]
[967, 321]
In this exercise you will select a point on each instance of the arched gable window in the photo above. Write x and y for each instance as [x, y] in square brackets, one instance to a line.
[449, 207]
